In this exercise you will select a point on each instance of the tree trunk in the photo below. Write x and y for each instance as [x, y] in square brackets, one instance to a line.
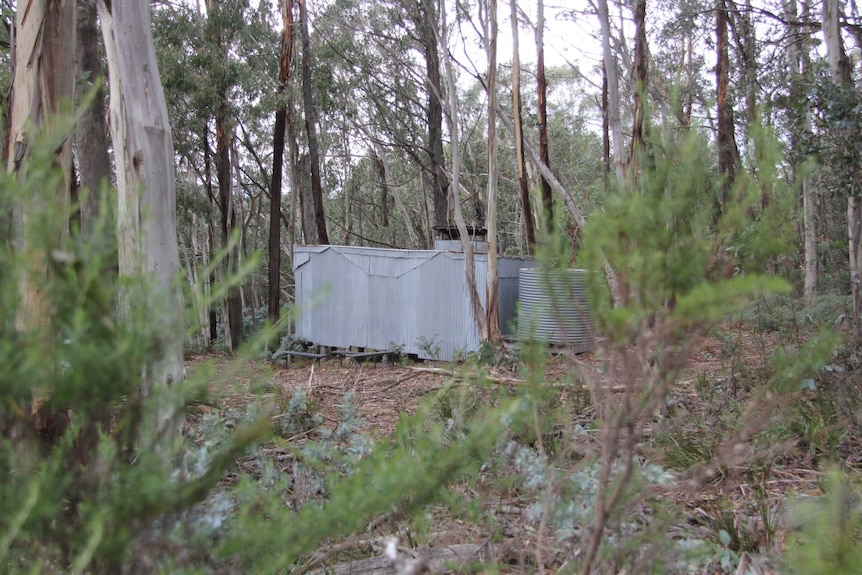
[492, 304]
[399, 203]
[384, 190]
[232, 308]
[854, 233]
[211, 235]
[606, 137]
[426, 24]
[311, 128]
[523, 188]
[233, 304]
[747, 48]
[147, 228]
[43, 89]
[728, 153]
[542, 105]
[839, 64]
[274, 284]
[197, 252]
[797, 64]
[615, 125]
[688, 64]
[466, 241]
[91, 134]
[306, 203]
[295, 178]
[640, 87]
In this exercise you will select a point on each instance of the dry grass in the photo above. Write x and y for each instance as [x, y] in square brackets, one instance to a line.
[735, 469]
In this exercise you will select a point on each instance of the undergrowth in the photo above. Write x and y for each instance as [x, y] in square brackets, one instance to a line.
[582, 474]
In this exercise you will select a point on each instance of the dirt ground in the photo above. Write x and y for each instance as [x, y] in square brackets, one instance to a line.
[384, 392]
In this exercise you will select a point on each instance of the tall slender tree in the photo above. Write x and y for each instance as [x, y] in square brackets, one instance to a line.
[285, 62]
[492, 304]
[311, 126]
[426, 24]
[224, 130]
[839, 63]
[798, 65]
[614, 119]
[517, 116]
[728, 153]
[542, 109]
[640, 85]
[466, 241]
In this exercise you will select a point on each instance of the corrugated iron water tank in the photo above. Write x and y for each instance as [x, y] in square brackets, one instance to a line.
[553, 307]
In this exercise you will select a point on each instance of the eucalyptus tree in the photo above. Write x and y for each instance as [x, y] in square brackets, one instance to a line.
[611, 74]
[91, 134]
[43, 91]
[639, 121]
[284, 68]
[310, 114]
[144, 156]
[542, 112]
[799, 120]
[728, 153]
[492, 304]
[518, 116]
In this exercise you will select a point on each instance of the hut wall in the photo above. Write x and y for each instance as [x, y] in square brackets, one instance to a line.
[380, 298]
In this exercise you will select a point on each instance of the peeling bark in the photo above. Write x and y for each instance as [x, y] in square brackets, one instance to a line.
[146, 183]
[43, 90]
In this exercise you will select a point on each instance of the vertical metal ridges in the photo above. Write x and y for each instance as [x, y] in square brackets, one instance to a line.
[553, 307]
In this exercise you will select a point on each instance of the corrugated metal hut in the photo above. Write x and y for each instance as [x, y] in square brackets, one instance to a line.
[379, 298]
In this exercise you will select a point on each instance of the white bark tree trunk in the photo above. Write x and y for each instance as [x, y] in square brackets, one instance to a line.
[43, 91]
[493, 280]
[797, 63]
[615, 124]
[466, 240]
[835, 54]
[146, 218]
